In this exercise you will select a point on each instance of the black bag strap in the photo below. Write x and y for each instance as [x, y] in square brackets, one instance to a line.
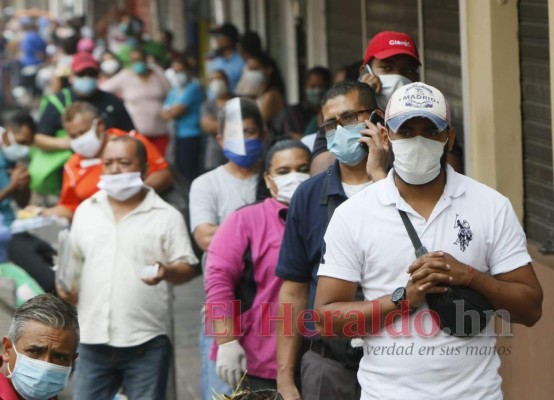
[418, 246]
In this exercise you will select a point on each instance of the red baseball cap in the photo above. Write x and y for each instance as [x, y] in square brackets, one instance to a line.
[82, 61]
[388, 43]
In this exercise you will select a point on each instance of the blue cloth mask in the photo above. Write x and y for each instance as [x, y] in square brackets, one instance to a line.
[139, 67]
[343, 144]
[253, 147]
[36, 379]
[85, 85]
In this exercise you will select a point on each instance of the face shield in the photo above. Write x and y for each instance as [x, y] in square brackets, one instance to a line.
[233, 130]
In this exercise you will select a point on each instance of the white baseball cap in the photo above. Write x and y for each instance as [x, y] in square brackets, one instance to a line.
[417, 100]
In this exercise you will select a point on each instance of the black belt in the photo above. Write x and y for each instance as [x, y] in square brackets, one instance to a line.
[319, 347]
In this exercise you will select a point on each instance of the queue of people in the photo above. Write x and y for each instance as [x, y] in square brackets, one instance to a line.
[295, 213]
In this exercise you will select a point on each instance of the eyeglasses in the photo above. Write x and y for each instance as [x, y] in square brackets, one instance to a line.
[408, 133]
[345, 119]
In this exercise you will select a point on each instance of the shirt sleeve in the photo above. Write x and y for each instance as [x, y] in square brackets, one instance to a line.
[50, 120]
[224, 265]
[339, 257]
[320, 145]
[115, 83]
[202, 203]
[177, 246]
[294, 264]
[509, 248]
[191, 96]
[68, 197]
[155, 160]
[122, 118]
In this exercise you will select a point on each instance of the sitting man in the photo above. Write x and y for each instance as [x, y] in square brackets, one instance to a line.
[39, 351]
[82, 171]
[124, 303]
[25, 250]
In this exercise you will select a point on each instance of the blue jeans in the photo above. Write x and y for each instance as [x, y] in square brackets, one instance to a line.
[142, 370]
[210, 383]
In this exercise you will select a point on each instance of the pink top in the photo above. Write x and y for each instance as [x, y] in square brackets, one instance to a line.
[143, 98]
[241, 264]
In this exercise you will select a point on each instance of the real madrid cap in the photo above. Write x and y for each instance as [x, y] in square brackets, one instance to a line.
[417, 100]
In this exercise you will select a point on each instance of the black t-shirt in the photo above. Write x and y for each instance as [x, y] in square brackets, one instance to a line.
[111, 109]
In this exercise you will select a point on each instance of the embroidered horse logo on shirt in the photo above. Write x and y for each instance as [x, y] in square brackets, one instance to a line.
[465, 235]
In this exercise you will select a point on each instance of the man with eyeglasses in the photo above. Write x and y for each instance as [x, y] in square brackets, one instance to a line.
[328, 371]
[411, 357]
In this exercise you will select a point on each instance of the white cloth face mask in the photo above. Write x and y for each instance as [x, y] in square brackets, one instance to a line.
[88, 144]
[417, 160]
[389, 84]
[121, 186]
[287, 185]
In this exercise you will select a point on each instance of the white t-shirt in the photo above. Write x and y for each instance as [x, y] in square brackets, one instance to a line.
[216, 194]
[367, 242]
[351, 190]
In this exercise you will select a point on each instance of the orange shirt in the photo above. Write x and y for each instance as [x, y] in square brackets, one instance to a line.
[81, 175]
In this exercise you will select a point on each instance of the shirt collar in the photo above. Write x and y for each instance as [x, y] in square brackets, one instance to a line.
[334, 184]
[454, 187]
[277, 207]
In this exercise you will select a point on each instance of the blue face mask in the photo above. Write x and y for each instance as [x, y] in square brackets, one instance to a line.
[253, 147]
[36, 379]
[139, 67]
[343, 144]
[85, 85]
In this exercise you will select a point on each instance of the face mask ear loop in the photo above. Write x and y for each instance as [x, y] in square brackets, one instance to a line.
[8, 364]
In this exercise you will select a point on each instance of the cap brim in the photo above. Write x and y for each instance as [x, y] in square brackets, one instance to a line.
[394, 52]
[396, 122]
[86, 66]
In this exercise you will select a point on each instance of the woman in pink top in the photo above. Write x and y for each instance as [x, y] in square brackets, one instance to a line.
[143, 89]
[240, 272]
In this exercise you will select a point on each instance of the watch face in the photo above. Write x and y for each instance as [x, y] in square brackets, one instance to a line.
[398, 295]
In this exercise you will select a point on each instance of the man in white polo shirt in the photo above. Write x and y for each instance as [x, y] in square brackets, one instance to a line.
[123, 303]
[474, 239]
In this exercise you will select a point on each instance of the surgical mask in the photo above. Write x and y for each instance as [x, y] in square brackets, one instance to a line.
[84, 85]
[139, 67]
[343, 144]
[218, 87]
[14, 151]
[253, 147]
[121, 186]
[36, 379]
[389, 84]
[109, 67]
[88, 144]
[287, 185]
[181, 79]
[417, 160]
[314, 96]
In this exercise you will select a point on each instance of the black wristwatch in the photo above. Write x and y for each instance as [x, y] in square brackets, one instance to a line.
[398, 296]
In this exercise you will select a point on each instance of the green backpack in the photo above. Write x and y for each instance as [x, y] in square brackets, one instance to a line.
[46, 167]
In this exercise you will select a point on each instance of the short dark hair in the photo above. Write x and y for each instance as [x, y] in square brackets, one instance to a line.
[140, 149]
[80, 107]
[325, 73]
[249, 110]
[20, 119]
[46, 309]
[366, 95]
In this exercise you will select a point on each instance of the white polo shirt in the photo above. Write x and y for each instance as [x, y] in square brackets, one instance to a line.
[367, 242]
[116, 307]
